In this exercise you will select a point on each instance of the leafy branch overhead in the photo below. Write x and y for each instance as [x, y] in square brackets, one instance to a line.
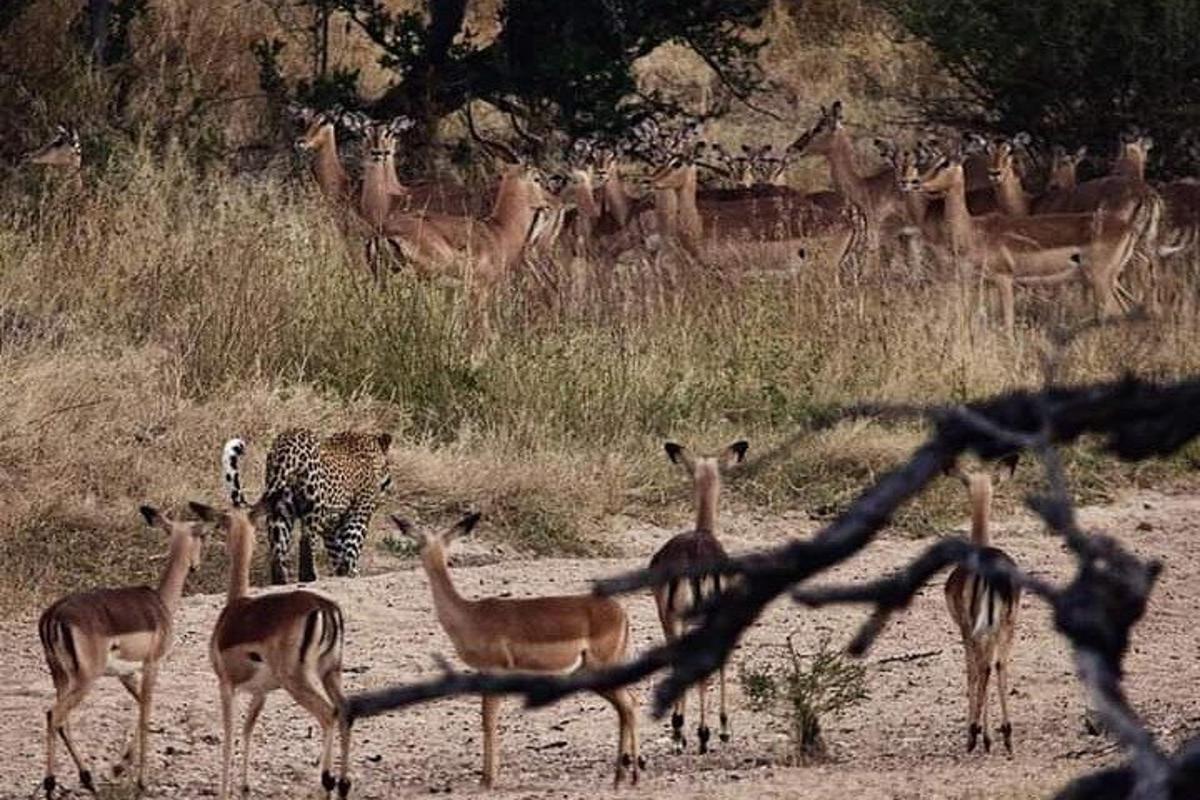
[569, 65]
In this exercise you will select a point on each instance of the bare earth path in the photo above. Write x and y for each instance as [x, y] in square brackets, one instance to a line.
[905, 742]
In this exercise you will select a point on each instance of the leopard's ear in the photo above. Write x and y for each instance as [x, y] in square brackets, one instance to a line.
[384, 440]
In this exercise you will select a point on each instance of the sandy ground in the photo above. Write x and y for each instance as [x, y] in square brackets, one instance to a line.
[905, 742]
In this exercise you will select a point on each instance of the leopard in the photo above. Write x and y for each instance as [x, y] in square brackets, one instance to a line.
[329, 486]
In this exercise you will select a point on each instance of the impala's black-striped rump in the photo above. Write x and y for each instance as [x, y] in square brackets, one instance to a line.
[697, 548]
[253, 619]
[106, 612]
[989, 600]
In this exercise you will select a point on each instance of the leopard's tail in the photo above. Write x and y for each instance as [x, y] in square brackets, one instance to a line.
[233, 451]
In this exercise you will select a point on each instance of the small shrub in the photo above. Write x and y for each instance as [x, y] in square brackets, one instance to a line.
[804, 689]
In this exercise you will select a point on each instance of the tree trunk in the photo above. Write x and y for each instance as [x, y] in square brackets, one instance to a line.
[98, 12]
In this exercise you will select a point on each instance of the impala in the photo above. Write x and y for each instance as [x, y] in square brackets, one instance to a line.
[63, 152]
[320, 139]
[1036, 250]
[551, 635]
[117, 632]
[289, 640]
[697, 548]
[985, 611]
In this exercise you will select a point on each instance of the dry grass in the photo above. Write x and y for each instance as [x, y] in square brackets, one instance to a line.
[160, 313]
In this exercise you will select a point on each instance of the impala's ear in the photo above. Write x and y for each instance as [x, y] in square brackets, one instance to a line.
[1007, 466]
[1081, 153]
[1022, 139]
[464, 526]
[404, 526]
[681, 456]
[155, 518]
[1147, 142]
[955, 471]
[205, 512]
[835, 110]
[735, 453]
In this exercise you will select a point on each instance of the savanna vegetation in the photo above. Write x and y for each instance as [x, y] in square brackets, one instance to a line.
[196, 287]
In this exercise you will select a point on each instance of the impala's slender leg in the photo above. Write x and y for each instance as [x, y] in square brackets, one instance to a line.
[57, 721]
[333, 687]
[257, 701]
[491, 708]
[627, 755]
[1002, 674]
[702, 730]
[972, 658]
[149, 677]
[305, 689]
[227, 746]
[985, 671]
[131, 686]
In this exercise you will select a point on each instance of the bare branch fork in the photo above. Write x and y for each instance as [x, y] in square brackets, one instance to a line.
[1095, 611]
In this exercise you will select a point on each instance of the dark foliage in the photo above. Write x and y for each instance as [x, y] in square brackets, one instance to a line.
[1068, 71]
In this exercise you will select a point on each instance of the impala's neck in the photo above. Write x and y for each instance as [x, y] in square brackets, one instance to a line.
[331, 177]
[617, 199]
[958, 219]
[689, 215]
[512, 214]
[1062, 177]
[241, 549]
[1010, 195]
[1131, 164]
[585, 199]
[979, 487]
[844, 176]
[708, 488]
[394, 186]
[375, 199]
[447, 602]
[170, 586]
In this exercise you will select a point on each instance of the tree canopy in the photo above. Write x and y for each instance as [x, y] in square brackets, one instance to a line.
[1067, 71]
[569, 64]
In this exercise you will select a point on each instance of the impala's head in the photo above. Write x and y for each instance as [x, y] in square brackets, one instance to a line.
[240, 524]
[1064, 166]
[944, 175]
[380, 138]
[818, 139]
[605, 163]
[908, 161]
[63, 150]
[698, 467]
[185, 539]
[1002, 157]
[1133, 152]
[319, 129]
[434, 543]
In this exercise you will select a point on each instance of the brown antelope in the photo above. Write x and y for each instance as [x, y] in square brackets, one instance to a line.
[1011, 197]
[875, 193]
[1064, 167]
[698, 547]
[985, 611]
[117, 632]
[1133, 152]
[550, 635]
[63, 152]
[320, 139]
[1125, 196]
[1036, 250]
[289, 640]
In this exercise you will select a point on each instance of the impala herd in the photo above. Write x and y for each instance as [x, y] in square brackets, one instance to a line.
[965, 209]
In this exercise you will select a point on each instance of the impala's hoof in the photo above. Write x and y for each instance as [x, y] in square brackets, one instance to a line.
[973, 737]
[1006, 733]
[344, 788]
[48, 784]
[703, 733]
[725, 736]
[328, 782]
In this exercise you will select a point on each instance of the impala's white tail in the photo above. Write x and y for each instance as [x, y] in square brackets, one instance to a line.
[233, 451]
